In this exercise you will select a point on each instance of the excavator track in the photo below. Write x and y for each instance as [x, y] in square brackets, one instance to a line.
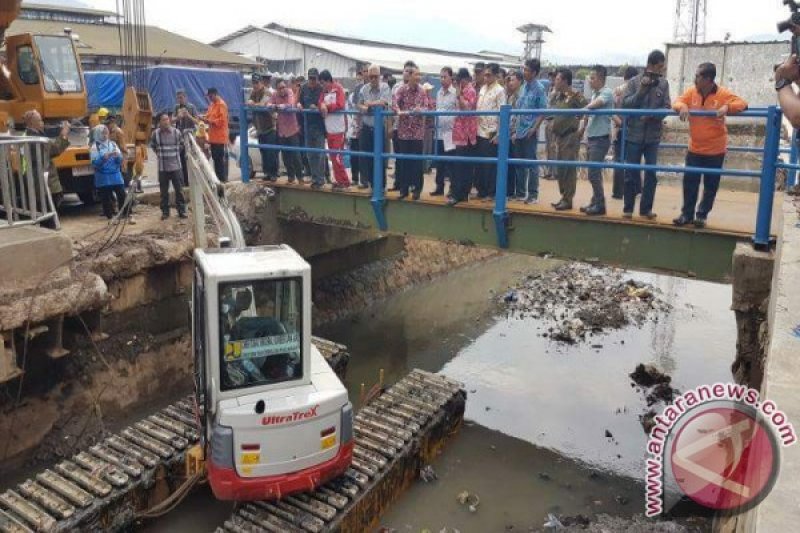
[396, 435]
[104, 487]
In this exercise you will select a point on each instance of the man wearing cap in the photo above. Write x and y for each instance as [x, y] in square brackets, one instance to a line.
[314, 132]
[264, 122]
[217, 118]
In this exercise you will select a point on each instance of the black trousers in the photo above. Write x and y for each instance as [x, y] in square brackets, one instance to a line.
[411, 170]
[291, 159]
[219, 154]
[165, 178]
[486, 179]
[184, 170]
[269, 157]
[444, 169]
[691, 185]
[107, 195]
[463, 173]
[355, 162]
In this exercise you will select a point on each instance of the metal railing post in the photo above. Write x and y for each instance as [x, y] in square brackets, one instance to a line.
[244, 152]
[501, 187]
[378, 176]
[792, 177]
[766, 195]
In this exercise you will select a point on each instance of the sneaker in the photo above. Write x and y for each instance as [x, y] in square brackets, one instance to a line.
[626, 214]
[531, 201]
[437, 193]
[183, 215]
[699, 223]
[681, 221]
[291, 180]
[563, 206]
[649, 216]
[131, 221]
[403, 195]
[415, 195]
[363, 186]
[164, 216]
[316, 186]
[586, 208]
[452, 201]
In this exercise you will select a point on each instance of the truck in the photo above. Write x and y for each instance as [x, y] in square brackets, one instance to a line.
[275, 417]
[43, 72]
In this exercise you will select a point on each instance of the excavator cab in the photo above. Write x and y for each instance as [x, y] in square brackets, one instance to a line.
[277, 418]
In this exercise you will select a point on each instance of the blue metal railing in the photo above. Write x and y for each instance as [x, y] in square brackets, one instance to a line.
[771, 152]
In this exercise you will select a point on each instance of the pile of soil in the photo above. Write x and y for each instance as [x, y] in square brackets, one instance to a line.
[581, 300]
[638, 524]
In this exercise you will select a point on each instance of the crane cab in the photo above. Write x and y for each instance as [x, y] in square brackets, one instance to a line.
[277, 418]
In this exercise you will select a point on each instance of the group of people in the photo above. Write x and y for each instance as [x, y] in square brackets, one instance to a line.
[487, 88]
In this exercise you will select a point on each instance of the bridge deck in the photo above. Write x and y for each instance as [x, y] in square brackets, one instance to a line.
[637, 243]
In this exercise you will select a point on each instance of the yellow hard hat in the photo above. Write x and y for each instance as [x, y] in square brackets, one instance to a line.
[102, 112]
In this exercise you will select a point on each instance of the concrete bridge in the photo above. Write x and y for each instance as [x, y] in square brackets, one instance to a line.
[538, 229]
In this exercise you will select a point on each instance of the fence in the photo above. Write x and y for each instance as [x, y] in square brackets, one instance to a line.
[24, 195]
[770, 152]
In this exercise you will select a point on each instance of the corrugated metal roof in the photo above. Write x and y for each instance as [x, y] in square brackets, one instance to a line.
[103, 40]
[388, 55]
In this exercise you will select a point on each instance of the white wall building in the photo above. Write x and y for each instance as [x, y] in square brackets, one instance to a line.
[292, 51]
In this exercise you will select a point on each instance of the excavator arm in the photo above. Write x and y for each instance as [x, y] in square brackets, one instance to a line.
[207, 190]
[9, 11]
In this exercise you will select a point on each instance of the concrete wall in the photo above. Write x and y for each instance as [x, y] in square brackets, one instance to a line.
[264, 45]
[746, 68]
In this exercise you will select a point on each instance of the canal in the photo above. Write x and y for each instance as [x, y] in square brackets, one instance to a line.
[539, 413]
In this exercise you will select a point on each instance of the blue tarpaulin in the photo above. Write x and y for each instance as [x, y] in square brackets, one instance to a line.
[107, 89]
[104, 89]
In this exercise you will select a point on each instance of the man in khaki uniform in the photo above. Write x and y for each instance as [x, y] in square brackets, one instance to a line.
[34, 127]
[566, 136]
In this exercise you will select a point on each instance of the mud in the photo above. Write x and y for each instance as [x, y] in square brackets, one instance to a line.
[95, 388]
[638, 524]
[655, 387]
[577, 301]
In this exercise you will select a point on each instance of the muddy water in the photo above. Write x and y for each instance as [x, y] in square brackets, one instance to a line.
[537, 412]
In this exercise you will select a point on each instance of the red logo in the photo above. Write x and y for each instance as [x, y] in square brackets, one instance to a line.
[272, 420]
[725, 458]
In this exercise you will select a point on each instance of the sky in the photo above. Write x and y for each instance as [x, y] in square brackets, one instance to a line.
[613, 31]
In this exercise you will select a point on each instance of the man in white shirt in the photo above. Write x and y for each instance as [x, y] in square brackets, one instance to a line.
[446, 100]
[491, 97]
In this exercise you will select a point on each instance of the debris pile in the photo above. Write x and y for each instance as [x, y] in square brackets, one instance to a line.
[656, 388]
[580, 300]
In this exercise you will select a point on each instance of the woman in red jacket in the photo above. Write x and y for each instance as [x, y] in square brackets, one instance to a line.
[331, 100]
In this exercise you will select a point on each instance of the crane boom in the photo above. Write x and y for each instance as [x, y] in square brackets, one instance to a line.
[9, 11]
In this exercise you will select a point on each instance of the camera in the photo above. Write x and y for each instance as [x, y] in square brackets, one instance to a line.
[793, 20]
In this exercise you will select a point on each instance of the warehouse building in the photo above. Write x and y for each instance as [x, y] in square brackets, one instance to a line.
[292, 51]
[96, 37]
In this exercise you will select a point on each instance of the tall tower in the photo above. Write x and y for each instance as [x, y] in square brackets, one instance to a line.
[690, 21]
[533, 40]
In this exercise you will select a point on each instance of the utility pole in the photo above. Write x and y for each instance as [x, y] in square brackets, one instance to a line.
[690, 21]
[533, 40]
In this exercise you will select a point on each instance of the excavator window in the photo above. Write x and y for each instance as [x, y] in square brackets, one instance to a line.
[260, 330]
[26, 66]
